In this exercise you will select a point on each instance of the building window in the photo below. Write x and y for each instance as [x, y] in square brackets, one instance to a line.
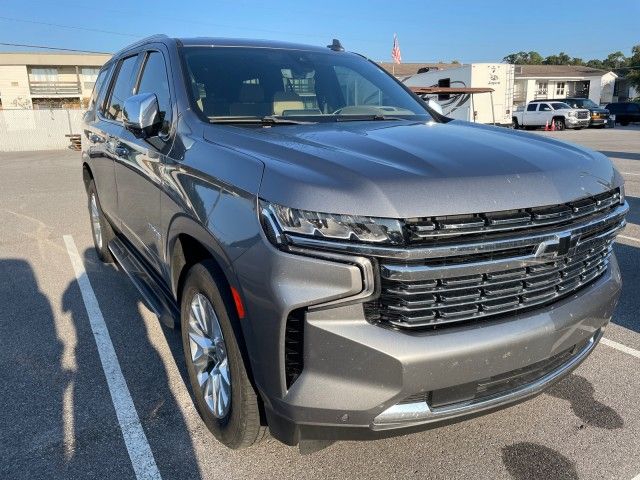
[44, 74]
[560, 89]
[542, 88]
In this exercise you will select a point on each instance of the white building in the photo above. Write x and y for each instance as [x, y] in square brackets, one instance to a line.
[47, 80]
[539, 82]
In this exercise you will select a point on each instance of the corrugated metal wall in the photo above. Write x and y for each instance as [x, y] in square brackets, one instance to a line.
[24, 130]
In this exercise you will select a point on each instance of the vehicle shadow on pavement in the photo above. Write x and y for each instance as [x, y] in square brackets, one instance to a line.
[624, 155]
[634, 210]
[626, 313]
[525, 461]
[141, 365]
[34, 379]
[578, 391]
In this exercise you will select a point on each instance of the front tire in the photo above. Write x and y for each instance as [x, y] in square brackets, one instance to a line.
[224, 395]
[559, 123]
[100, 227]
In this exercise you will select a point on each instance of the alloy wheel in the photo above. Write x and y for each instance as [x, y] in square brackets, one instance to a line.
[95, 221]
[209, 356]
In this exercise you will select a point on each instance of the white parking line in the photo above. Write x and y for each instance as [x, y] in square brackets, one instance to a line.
[629, 173]
[621, 347]
[144, 465]
[626, 237]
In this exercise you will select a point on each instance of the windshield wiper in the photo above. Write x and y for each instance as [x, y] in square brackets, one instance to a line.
[366, 118]
[272, 119]
[268, 120]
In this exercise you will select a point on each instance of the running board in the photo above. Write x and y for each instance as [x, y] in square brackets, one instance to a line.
[153, 293]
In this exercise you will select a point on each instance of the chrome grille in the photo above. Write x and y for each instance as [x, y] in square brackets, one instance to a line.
[445, 290]
[583, 115]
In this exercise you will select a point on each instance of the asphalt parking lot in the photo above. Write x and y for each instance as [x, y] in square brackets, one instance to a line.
[58, 420]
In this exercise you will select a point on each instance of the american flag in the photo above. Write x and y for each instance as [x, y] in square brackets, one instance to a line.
[395, 51]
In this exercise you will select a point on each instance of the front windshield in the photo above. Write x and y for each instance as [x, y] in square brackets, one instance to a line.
[560, 106]
[230, 83]
[588, 104]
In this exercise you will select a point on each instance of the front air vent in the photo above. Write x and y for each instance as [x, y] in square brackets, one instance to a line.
[294, 346]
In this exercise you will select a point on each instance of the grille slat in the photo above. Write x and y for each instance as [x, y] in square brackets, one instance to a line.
[422, 230]
[448, 300]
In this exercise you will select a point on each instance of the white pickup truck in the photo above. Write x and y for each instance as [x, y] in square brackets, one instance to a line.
[539, 113]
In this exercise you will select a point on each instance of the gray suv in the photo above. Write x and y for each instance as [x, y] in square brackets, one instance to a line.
[343, 262]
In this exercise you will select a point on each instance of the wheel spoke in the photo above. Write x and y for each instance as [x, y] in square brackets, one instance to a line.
[209, 355]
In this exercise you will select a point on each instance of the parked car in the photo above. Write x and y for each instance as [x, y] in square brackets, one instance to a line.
[343, 262]
[599, 115]
[625, 112]
[539, 113]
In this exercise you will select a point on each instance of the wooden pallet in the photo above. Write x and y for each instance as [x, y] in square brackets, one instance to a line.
[75, 141]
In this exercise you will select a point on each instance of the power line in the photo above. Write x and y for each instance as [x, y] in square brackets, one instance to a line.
[72, 27]
[52, 48]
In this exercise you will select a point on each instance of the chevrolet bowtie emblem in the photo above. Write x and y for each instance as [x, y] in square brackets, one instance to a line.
[557, 247]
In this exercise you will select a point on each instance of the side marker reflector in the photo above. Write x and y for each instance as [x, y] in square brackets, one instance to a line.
[238, 301]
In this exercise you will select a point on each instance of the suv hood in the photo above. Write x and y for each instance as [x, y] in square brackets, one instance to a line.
[404, 169]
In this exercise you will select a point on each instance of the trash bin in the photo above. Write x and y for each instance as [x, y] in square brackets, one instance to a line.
[611, 122]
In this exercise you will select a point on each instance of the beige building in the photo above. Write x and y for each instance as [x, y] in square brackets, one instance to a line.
[541, 82]
[47, 80]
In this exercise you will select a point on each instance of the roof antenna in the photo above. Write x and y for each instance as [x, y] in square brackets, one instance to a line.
[336, 46]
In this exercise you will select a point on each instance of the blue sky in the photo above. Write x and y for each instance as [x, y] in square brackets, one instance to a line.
[428, 30]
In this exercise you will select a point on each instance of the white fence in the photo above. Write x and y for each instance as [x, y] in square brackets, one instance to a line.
[23, 130]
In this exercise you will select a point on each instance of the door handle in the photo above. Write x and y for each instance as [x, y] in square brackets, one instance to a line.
[121, 152]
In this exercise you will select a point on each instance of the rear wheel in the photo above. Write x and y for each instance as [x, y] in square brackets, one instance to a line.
[559, 123]
[515, 123]
[224, 395]
[100, 226]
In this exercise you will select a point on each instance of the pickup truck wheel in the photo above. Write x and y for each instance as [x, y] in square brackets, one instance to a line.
[515, 123]
[559, 123]
[100, 226]
[224, 395]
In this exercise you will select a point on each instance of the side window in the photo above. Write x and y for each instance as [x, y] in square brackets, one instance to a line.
[532, 107]
[97, 87]
[122, 88]
[154, 80]
[544, 108]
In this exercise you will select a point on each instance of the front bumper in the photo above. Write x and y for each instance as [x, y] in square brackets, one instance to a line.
[599, 120]
[577, 123]
[356, 373]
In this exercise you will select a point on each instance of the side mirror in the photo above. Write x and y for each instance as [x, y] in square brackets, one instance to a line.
[141, 115]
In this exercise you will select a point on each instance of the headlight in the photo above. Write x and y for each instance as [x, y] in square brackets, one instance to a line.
[572, 114]
[326, 225]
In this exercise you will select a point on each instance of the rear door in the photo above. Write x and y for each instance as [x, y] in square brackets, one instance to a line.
[94, 143]
[529, 116]
[140, 163]
[110, 117]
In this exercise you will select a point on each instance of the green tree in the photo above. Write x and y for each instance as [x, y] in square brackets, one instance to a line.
[524, 58]
[595, 63]
[615, 60]
[633, 65]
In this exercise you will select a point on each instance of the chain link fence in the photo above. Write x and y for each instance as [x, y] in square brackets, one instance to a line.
[25, 130]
